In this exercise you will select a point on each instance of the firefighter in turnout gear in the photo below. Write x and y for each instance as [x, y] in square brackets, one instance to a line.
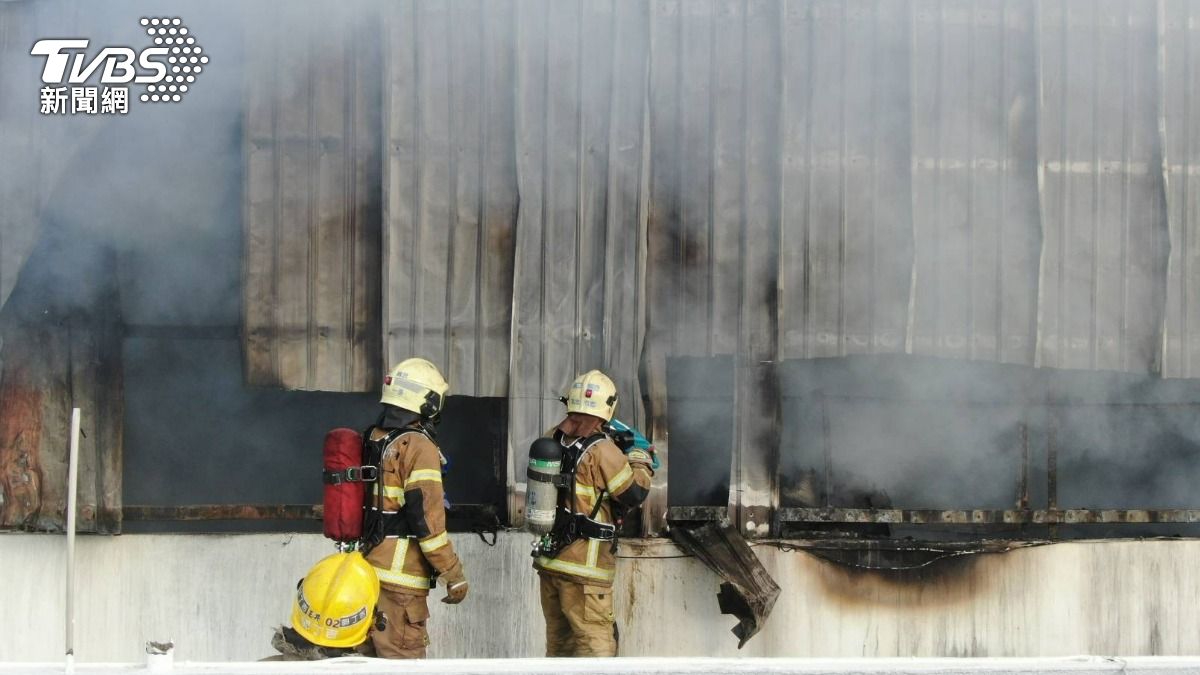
[404, 529]
[332, 612]
[576, 562]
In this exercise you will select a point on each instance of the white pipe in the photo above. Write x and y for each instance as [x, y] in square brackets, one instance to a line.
[72, 489]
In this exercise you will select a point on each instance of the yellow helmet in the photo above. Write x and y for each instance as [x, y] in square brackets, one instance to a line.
[335, 601]
[593, 393]
[417, 386]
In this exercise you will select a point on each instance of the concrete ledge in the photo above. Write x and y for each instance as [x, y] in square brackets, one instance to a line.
[1081, 665]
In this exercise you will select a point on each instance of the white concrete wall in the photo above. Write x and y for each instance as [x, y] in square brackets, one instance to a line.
[219, 596]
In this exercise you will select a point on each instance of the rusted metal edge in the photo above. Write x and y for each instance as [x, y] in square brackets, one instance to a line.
[463, 517]
[225, 512]
[987, 516]
[679, 513]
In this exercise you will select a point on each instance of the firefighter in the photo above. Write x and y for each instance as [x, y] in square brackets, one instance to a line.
[576, 570]
[404, 525]
[333, 611]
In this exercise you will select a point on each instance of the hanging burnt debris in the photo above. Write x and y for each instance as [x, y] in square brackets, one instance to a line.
[747, 590]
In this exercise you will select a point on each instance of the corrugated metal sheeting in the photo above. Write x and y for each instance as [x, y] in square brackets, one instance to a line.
[607, 184]
[513, 181]
[312, 202]
[1099, 162]
[1179, 32]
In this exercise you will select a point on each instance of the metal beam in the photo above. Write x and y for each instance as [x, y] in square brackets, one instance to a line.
[226, 512]
[987, 516]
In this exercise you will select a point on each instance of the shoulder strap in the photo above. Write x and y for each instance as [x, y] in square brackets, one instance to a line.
[392, 435]
[593, 439]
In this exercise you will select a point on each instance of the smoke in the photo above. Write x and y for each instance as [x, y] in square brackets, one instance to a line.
[819, 180]
[140, 223]
[953, 181]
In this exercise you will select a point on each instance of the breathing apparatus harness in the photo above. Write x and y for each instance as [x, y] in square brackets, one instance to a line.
[378, 525]
[569, 525]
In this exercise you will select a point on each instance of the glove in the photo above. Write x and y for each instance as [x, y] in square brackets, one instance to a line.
[456, 584]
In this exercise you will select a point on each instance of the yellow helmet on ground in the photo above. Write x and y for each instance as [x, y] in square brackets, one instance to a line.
[417, 386]
[593, 393]
[335, 601]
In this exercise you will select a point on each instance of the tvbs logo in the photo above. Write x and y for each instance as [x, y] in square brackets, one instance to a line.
[168, 69]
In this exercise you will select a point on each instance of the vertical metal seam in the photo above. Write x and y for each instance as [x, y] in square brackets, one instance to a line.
[1005, 162]
[580, 52]
[1165, 195]
[939, 173]
[842, 160]
[277, 199]
[710, 217]
[780, 196]
[1162, 196]
[1160, 37]
[910, 316]
[810, 175]
[1039, 153]
[1064, 341]
[675, 214]
[1093, 319]
[775, 220]
[1185, 185]
[612, 249]
[416, 324]
[312, 171]
[386, 169]
[740, 341]
[972, 325]
[452, 139]
[349, 209]
[485, 161]
[873, 239]
[543, 231]
[644, 345]
[1127, 177]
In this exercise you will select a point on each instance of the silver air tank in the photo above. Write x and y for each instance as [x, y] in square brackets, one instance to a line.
[541, 495]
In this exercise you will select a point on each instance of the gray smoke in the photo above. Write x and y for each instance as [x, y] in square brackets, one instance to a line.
[819, 180]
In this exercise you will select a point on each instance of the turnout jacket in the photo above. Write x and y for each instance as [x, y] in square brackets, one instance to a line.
[410, 478]
[603, 473]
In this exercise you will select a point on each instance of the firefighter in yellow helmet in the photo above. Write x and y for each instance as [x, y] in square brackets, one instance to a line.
[404, 528]
[576, 570]
[333, 611]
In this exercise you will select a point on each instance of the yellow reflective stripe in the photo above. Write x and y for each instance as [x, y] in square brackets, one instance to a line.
[419, 475]
[396, 574]
[391, 492]
[434, 543]
[405, 580]
[576, 569]
[587, 494]
[593, 552]
[618, 481]
[398, 555]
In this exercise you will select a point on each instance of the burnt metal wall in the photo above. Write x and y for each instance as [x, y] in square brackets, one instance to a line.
[56, 333]
[524, 189]
[513, 187]
[312, 200]
[598, 183]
